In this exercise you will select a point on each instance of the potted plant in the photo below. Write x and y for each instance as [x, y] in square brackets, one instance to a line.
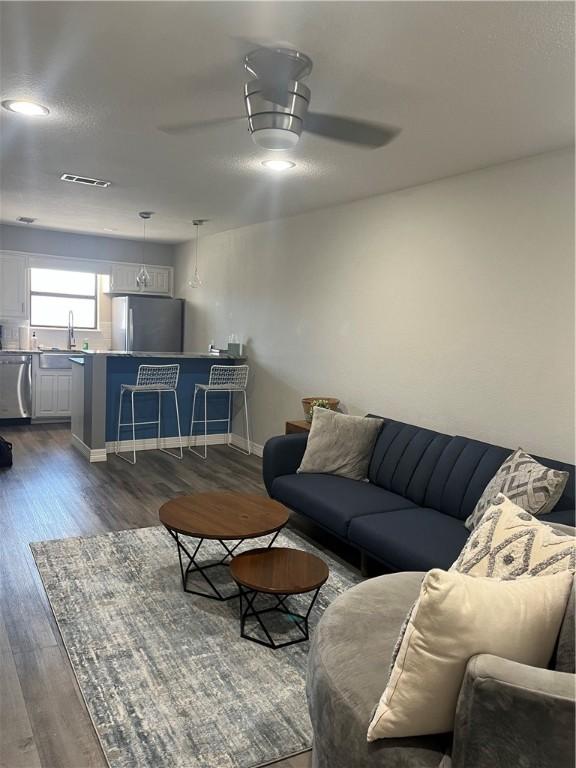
[308, 403]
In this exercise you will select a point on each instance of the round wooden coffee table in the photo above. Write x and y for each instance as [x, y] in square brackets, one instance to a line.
[278, 572]
[221, 517]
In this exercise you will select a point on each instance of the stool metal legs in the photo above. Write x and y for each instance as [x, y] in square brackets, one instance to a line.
[180, 455]
[204, 454]
[230, 443]
[133, 423]
[230, 392]
[126, 424]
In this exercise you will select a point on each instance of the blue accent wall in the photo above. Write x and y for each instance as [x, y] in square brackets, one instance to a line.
[124, 370]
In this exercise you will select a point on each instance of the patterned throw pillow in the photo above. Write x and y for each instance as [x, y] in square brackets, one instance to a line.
[524, 481]
[510, 543]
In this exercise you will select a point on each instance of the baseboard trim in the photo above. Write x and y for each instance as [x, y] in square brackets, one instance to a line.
[242, 443]
[152, 444]
[92, 454]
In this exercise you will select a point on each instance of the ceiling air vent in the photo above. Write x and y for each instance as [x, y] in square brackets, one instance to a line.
[25, 220]
[84, 180]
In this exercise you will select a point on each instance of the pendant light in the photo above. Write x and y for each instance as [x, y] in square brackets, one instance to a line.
[196, 282]
[143, 279]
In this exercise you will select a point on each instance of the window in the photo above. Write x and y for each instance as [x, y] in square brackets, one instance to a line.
[56, 292]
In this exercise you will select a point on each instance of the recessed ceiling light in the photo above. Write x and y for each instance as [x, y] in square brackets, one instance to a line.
[278, 165]
[25, 108]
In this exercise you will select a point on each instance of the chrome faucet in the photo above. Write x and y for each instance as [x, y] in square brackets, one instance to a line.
[71, 339]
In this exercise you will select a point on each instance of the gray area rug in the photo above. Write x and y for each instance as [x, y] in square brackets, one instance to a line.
[166, 677]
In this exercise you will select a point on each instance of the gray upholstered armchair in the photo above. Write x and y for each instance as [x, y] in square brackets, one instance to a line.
[508, 714]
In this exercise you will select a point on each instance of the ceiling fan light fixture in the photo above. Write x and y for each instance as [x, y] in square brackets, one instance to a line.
[278, 165]
[29, 108]
[275, 139]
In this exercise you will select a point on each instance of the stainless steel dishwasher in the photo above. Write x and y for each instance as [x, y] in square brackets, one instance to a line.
[15, 386]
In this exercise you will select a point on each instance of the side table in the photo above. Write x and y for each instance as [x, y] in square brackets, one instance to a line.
[295, 426]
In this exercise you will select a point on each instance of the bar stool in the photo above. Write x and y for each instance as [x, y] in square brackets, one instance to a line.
[150, 379]
[223, 378]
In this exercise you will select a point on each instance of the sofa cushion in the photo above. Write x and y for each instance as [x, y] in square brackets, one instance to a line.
[404, 459]
[562, 516]
[350, 653]
[333, 501]
[415, 539]
[461, 475]
[466, 467]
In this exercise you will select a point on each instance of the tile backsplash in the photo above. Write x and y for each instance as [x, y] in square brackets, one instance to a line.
[13, 338]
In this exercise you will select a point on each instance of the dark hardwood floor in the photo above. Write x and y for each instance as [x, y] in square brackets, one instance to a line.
[50, 493]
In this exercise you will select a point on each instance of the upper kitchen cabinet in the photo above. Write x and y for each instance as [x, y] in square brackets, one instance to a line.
[13, 286]
[160, 281]
[124, 279]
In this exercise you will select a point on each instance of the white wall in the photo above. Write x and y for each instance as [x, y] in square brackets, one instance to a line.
[31, 239]
[449, 305]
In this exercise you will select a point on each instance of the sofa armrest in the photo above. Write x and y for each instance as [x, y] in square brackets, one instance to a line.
[282, 456]
[513, 714]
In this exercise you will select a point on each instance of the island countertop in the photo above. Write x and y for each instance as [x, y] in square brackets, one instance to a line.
[183, 355]
[113, 353]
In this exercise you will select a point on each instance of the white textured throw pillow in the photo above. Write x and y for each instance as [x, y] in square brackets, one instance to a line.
[524, 481]
[509, 543]
[339, 444]
[455, 618]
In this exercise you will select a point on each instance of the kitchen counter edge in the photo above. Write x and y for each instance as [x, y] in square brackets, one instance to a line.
[93, 353]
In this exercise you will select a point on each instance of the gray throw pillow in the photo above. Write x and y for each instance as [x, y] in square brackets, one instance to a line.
[339, 444]
[524, 481]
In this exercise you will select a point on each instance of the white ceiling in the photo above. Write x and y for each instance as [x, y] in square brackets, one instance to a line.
[471, 84]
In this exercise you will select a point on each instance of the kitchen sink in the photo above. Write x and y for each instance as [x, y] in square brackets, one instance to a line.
[56, 359]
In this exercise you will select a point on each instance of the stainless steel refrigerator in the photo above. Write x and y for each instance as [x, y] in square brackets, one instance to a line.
[147, 324]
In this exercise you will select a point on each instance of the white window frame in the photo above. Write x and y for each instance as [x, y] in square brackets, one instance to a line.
[67, 296]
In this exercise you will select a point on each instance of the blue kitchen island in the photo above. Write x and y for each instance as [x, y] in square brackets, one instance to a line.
[96, 381]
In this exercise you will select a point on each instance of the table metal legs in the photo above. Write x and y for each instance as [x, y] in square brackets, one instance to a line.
[248, 598]
[194, 566]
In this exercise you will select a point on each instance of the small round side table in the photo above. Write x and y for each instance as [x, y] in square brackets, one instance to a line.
[278, 572]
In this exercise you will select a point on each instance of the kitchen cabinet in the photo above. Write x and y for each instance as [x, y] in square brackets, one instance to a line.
[160, 281]
[52, 394]
[123, 279]
[13, 286]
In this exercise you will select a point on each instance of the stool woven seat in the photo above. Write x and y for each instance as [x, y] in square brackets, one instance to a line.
[147, 388]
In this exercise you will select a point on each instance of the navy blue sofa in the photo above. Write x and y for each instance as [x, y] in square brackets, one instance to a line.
[422, 487]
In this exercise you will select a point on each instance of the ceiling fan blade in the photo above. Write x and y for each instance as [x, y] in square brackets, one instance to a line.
[359, 132]
[201, 125]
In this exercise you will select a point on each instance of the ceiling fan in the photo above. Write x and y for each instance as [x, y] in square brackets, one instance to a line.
[277, 102]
